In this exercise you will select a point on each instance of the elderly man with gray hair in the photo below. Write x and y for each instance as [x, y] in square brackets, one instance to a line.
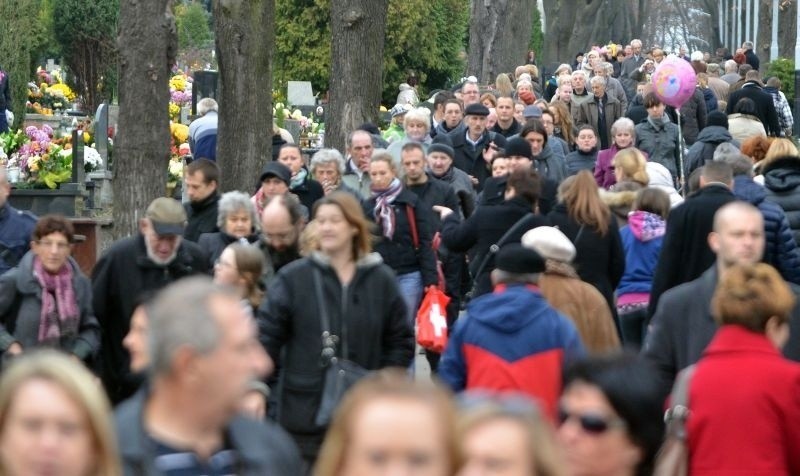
[204, 352]
[600, 112]
[203, 130]
[328, 167]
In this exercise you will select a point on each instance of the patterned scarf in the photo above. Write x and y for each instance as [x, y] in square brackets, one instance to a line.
[59, 316]
[384, 212]
[298, 178]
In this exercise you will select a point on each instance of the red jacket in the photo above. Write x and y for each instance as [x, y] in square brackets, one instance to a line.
[744, 399]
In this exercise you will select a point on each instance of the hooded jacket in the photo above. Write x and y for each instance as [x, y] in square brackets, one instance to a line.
[642, 239]
[661, 179]
[702, 151]
[511, 340]
[781, 247]
[550, 165]
[782, 181]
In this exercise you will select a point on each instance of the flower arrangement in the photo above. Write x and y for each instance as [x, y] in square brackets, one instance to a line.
[49, 94]
[42, 162]
[179, 134]
[180, 94]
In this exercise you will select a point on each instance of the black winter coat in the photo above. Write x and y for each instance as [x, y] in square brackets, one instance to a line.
[399, 253]
[600, 258]
[434, 192]
[782, 181]
[494, 193]
[308, 193]
[261, 447]
[202, 217]
[485, 228]
[119, 278]
[469, 158]
[378, 333]
[685, 254]
[693, 117]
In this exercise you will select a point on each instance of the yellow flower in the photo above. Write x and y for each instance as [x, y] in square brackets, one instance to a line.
[179, 131]
[174, 110]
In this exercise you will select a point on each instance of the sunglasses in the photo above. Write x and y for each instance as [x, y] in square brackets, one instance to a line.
[591, 423]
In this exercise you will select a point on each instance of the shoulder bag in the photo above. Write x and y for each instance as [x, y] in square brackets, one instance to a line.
[673, 457]
[340, 373]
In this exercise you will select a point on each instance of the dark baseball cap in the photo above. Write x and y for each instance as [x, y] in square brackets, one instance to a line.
[276, 169]
[167, 216]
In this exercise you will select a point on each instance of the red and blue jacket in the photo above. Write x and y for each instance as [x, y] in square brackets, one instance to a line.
[511, 340]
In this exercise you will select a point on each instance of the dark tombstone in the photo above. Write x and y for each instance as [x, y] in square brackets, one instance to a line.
[205, 85]
[101, 133]
[78, 173]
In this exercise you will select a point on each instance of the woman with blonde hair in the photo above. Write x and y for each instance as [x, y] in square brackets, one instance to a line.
[753, 306]
[780, 147]
[630, 165]
[347, 287]
[507, 431]
[588, 223]
[503, 86]
[623, 136]
[54, 419]
[240, 266]
[562, 122]
[390, 423]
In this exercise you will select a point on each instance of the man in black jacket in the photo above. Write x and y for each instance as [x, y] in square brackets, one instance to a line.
[683, 326]
[145, 262]
[765, 106]
[204, 353]
[685, 254]
[475, 146]
[202, 188]
[5, 100]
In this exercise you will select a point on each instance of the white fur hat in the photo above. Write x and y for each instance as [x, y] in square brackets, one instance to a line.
[549, 242]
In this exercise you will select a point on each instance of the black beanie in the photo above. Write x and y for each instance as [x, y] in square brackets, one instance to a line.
[443, 148]
[717, 118]
[519, 146]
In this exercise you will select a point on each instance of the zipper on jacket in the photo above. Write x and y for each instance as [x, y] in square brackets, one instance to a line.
[342, 324]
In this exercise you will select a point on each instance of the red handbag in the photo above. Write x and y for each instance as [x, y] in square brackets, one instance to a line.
[432, 320]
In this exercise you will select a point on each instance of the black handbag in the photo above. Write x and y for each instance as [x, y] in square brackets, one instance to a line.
[340, 373]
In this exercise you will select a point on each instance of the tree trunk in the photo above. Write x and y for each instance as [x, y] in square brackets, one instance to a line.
[358, 33]
[576, 26]
[498, 36]
[147, 45]
[17, 43]
[245, 36]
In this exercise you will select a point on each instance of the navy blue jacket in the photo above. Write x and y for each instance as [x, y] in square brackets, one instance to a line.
[16, 228]
[781, 248]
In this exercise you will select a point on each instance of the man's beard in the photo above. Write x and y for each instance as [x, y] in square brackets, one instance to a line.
[161, 261]
[283, 257]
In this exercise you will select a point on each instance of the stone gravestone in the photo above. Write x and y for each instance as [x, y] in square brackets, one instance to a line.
[299, 93]
[205, 86]
[101, 133]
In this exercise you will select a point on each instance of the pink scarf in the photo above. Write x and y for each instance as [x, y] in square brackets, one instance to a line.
[384, 212]
[59, 315]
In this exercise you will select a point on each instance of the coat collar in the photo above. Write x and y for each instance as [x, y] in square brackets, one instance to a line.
[733, 338]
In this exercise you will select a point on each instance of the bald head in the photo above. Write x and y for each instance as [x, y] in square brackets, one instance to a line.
[738, 236]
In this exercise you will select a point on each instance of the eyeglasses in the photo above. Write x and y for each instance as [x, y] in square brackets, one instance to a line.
[60, 245]
[591, 423]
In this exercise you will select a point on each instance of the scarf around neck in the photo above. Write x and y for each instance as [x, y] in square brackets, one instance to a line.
[59, 314]
[384, 212]
[298, 178]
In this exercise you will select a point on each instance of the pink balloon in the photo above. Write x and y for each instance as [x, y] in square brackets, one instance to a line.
[674, 81]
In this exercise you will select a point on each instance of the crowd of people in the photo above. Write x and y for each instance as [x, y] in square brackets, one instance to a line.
[272, 331]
